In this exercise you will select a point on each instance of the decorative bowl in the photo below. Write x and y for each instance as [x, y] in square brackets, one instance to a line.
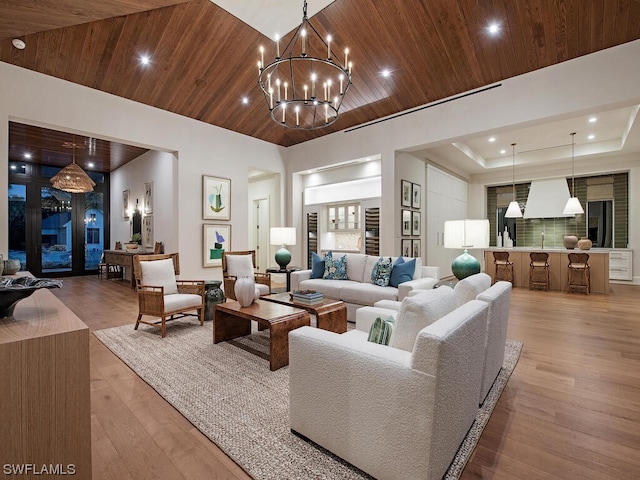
[12, 290]
[11, 267]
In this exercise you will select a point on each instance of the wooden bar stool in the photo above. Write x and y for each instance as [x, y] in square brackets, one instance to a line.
[539, 270]
[503, 267]
[578, 271]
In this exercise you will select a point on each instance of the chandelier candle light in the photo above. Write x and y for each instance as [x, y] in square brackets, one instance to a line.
[299, 85]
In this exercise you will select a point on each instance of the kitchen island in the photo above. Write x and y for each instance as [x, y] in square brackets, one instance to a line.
[558, 262]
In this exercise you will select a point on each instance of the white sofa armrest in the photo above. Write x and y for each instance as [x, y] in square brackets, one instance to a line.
[297, 277]
[425, 283]
[365, 316]
[431, 272]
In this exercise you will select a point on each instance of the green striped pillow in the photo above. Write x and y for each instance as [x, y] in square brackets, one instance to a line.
[380, 331]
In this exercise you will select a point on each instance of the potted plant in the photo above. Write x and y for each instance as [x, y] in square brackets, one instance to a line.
[134, 243]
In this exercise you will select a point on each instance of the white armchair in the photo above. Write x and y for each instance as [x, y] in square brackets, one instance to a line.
[390, 412]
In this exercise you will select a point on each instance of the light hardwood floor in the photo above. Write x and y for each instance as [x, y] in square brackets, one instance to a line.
[571, 409]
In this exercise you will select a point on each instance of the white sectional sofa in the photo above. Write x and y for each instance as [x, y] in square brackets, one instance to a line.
[358, 290]
[400, 411]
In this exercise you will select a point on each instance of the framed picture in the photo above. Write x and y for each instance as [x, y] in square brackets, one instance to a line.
[416, 195]
[216, 198]
[125, 204]
[415, 224]
[148, 198]
[147, 231]
[405, 246]
[406, 222]
[405, 192]
[215, 240]
[416, 248]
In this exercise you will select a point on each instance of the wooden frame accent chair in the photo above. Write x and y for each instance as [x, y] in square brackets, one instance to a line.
[242, 264]
[161, 295]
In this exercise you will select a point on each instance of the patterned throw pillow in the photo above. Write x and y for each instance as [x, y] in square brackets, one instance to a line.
[335, 268]
[381, 272]
[381, 330]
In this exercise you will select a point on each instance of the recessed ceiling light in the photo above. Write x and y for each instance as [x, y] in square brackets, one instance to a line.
[27, 156]
[13, 167]
[493, 29]
[503, 152]
[145, 60]
[245, 100]
[593, 119]
[385, 73]
[492, 139]
[91, 165]
[19, 44]
[591, 137]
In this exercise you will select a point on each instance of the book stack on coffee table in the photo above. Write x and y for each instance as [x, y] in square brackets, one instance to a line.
[307, 297]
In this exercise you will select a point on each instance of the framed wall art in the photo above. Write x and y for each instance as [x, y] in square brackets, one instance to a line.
[415, 224]
[416, 195]
[125, 204]
[405, 193]
[405, 246]
[216, 198]
[406, 222]
[148, 198]
[147, 231]
[215, 240]
[416, 248]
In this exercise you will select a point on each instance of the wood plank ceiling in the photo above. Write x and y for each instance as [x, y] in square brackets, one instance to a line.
[203, 60]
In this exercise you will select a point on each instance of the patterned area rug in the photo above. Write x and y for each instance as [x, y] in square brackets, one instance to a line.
[228, 392]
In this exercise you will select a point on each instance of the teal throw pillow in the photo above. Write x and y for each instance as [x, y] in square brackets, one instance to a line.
[335, 268]
[380, 331]
[402, 271]
[381, 273]
[317, 265]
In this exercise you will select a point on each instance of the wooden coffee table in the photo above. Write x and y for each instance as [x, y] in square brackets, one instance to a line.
[231, 321]
[330, 314]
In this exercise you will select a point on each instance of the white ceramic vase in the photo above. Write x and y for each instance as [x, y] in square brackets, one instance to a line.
[245, 290]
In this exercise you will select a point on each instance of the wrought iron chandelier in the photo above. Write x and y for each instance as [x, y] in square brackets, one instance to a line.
[72, 178]
[305, 84]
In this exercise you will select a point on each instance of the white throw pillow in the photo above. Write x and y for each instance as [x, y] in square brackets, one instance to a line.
[240, 265]
[418, 312]
[160, 273]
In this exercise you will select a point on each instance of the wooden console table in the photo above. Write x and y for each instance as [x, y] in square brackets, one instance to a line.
[45, 408]
[124, 259]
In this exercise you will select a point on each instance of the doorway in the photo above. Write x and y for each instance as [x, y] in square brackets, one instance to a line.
[260, 237]
[55, 233]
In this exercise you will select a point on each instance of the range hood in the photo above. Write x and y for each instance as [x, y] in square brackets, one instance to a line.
[547, 198]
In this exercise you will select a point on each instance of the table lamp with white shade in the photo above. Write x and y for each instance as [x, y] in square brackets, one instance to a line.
[283, 236]
[466, 234]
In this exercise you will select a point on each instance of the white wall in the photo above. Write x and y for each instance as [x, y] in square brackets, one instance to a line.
[161, 168]
[201, 149]
[267, 187]
[604, 80]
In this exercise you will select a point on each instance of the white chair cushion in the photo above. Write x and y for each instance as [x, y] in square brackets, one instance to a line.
[262, 289]
[180, 301]
[240, 265]
[418, 312]
[159, 273]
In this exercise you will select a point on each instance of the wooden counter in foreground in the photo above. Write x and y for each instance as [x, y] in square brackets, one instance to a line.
[558, 262]
[45, 408]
